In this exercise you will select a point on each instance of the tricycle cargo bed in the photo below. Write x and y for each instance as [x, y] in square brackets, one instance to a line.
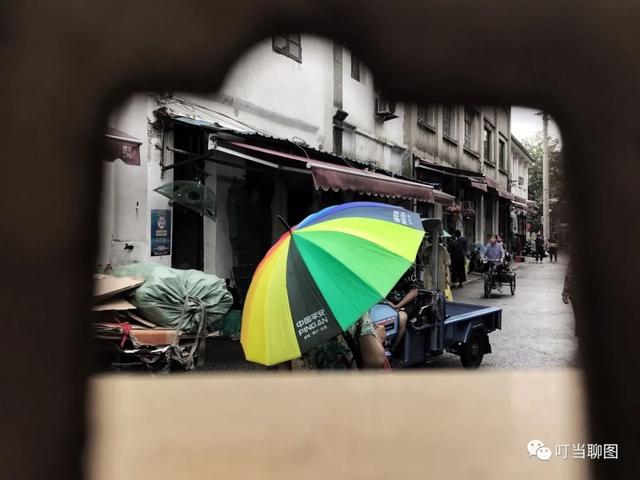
[463, 311]
[462, 319]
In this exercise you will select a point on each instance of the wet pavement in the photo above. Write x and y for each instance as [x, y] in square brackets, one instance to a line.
[537, 328]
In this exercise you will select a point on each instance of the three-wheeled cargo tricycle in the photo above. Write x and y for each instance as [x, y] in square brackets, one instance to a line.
[438, 326]
[496, 275]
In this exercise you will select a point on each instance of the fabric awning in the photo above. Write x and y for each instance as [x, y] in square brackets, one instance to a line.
[443, 198]
[328, 176]
[122, 146]
[492, 182]
[506, 195]
[478, 183]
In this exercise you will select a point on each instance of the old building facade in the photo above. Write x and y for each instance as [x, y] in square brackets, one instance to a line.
[298, 124]
[520, 159]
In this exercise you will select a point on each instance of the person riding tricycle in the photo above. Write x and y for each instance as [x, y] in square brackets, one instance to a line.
[497, 271]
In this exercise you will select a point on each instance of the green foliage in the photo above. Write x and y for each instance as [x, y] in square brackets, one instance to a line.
[534, 147]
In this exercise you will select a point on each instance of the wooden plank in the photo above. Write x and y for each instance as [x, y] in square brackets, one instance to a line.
[419, 425]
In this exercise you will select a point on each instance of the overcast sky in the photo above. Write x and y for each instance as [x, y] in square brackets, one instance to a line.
[525, 123]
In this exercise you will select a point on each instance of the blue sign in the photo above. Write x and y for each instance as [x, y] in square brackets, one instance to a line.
[160, 233]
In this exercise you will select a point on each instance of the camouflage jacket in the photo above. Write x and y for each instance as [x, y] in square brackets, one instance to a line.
[335, 354]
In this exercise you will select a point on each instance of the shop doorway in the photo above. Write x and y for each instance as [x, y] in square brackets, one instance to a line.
[300, 198]
[188, 227]
[250, 224]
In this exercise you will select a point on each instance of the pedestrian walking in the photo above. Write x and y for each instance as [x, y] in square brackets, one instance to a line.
[457, 252]
[463, 242]
[539, 248]
[552, 247]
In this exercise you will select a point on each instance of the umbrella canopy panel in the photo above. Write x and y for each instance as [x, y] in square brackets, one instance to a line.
[323, 275]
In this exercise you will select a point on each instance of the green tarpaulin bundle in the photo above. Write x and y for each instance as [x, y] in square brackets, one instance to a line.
[180, 299]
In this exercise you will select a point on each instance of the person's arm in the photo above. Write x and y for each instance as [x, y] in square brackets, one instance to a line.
[408, 298]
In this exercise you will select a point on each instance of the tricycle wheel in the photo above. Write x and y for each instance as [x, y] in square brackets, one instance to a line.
[512, 284]
[487, 285]
[473, 351]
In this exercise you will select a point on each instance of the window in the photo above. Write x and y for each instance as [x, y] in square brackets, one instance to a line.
[502, 155]
[288, 45]
[449, 122]
[470, 129]
[427, 116]
[488, 141]
[355, 67]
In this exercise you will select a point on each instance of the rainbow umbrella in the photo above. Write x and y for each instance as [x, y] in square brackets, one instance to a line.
[323, 275]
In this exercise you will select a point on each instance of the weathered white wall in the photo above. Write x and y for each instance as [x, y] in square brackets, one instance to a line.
[155, 176]
[128, 196]
[106, 216]
[520, 168]
[369, 139]
[125, 194]
[275, 94]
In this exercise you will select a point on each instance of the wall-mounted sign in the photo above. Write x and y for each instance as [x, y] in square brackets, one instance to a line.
[160, 233]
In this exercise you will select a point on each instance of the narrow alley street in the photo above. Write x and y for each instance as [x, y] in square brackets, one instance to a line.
[537, 328]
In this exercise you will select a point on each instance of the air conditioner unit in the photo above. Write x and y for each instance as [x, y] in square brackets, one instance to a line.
[385, 109]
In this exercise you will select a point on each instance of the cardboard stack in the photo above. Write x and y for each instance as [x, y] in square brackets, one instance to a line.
[116, 319]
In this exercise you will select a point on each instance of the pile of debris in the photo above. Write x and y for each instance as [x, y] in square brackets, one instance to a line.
[151, 317]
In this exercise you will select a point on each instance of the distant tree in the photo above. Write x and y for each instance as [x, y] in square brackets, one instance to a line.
[534, 146]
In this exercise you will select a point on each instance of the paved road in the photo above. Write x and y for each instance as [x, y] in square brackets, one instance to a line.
[537, 328]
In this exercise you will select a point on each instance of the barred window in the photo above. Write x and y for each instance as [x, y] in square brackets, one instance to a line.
[471, 119]
[449, 122]
[488, 141]
[502, 154]
[289, 46]
[427, 116]
[355, 67]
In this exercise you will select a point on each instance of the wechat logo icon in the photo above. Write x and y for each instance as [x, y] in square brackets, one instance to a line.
[536, 448]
